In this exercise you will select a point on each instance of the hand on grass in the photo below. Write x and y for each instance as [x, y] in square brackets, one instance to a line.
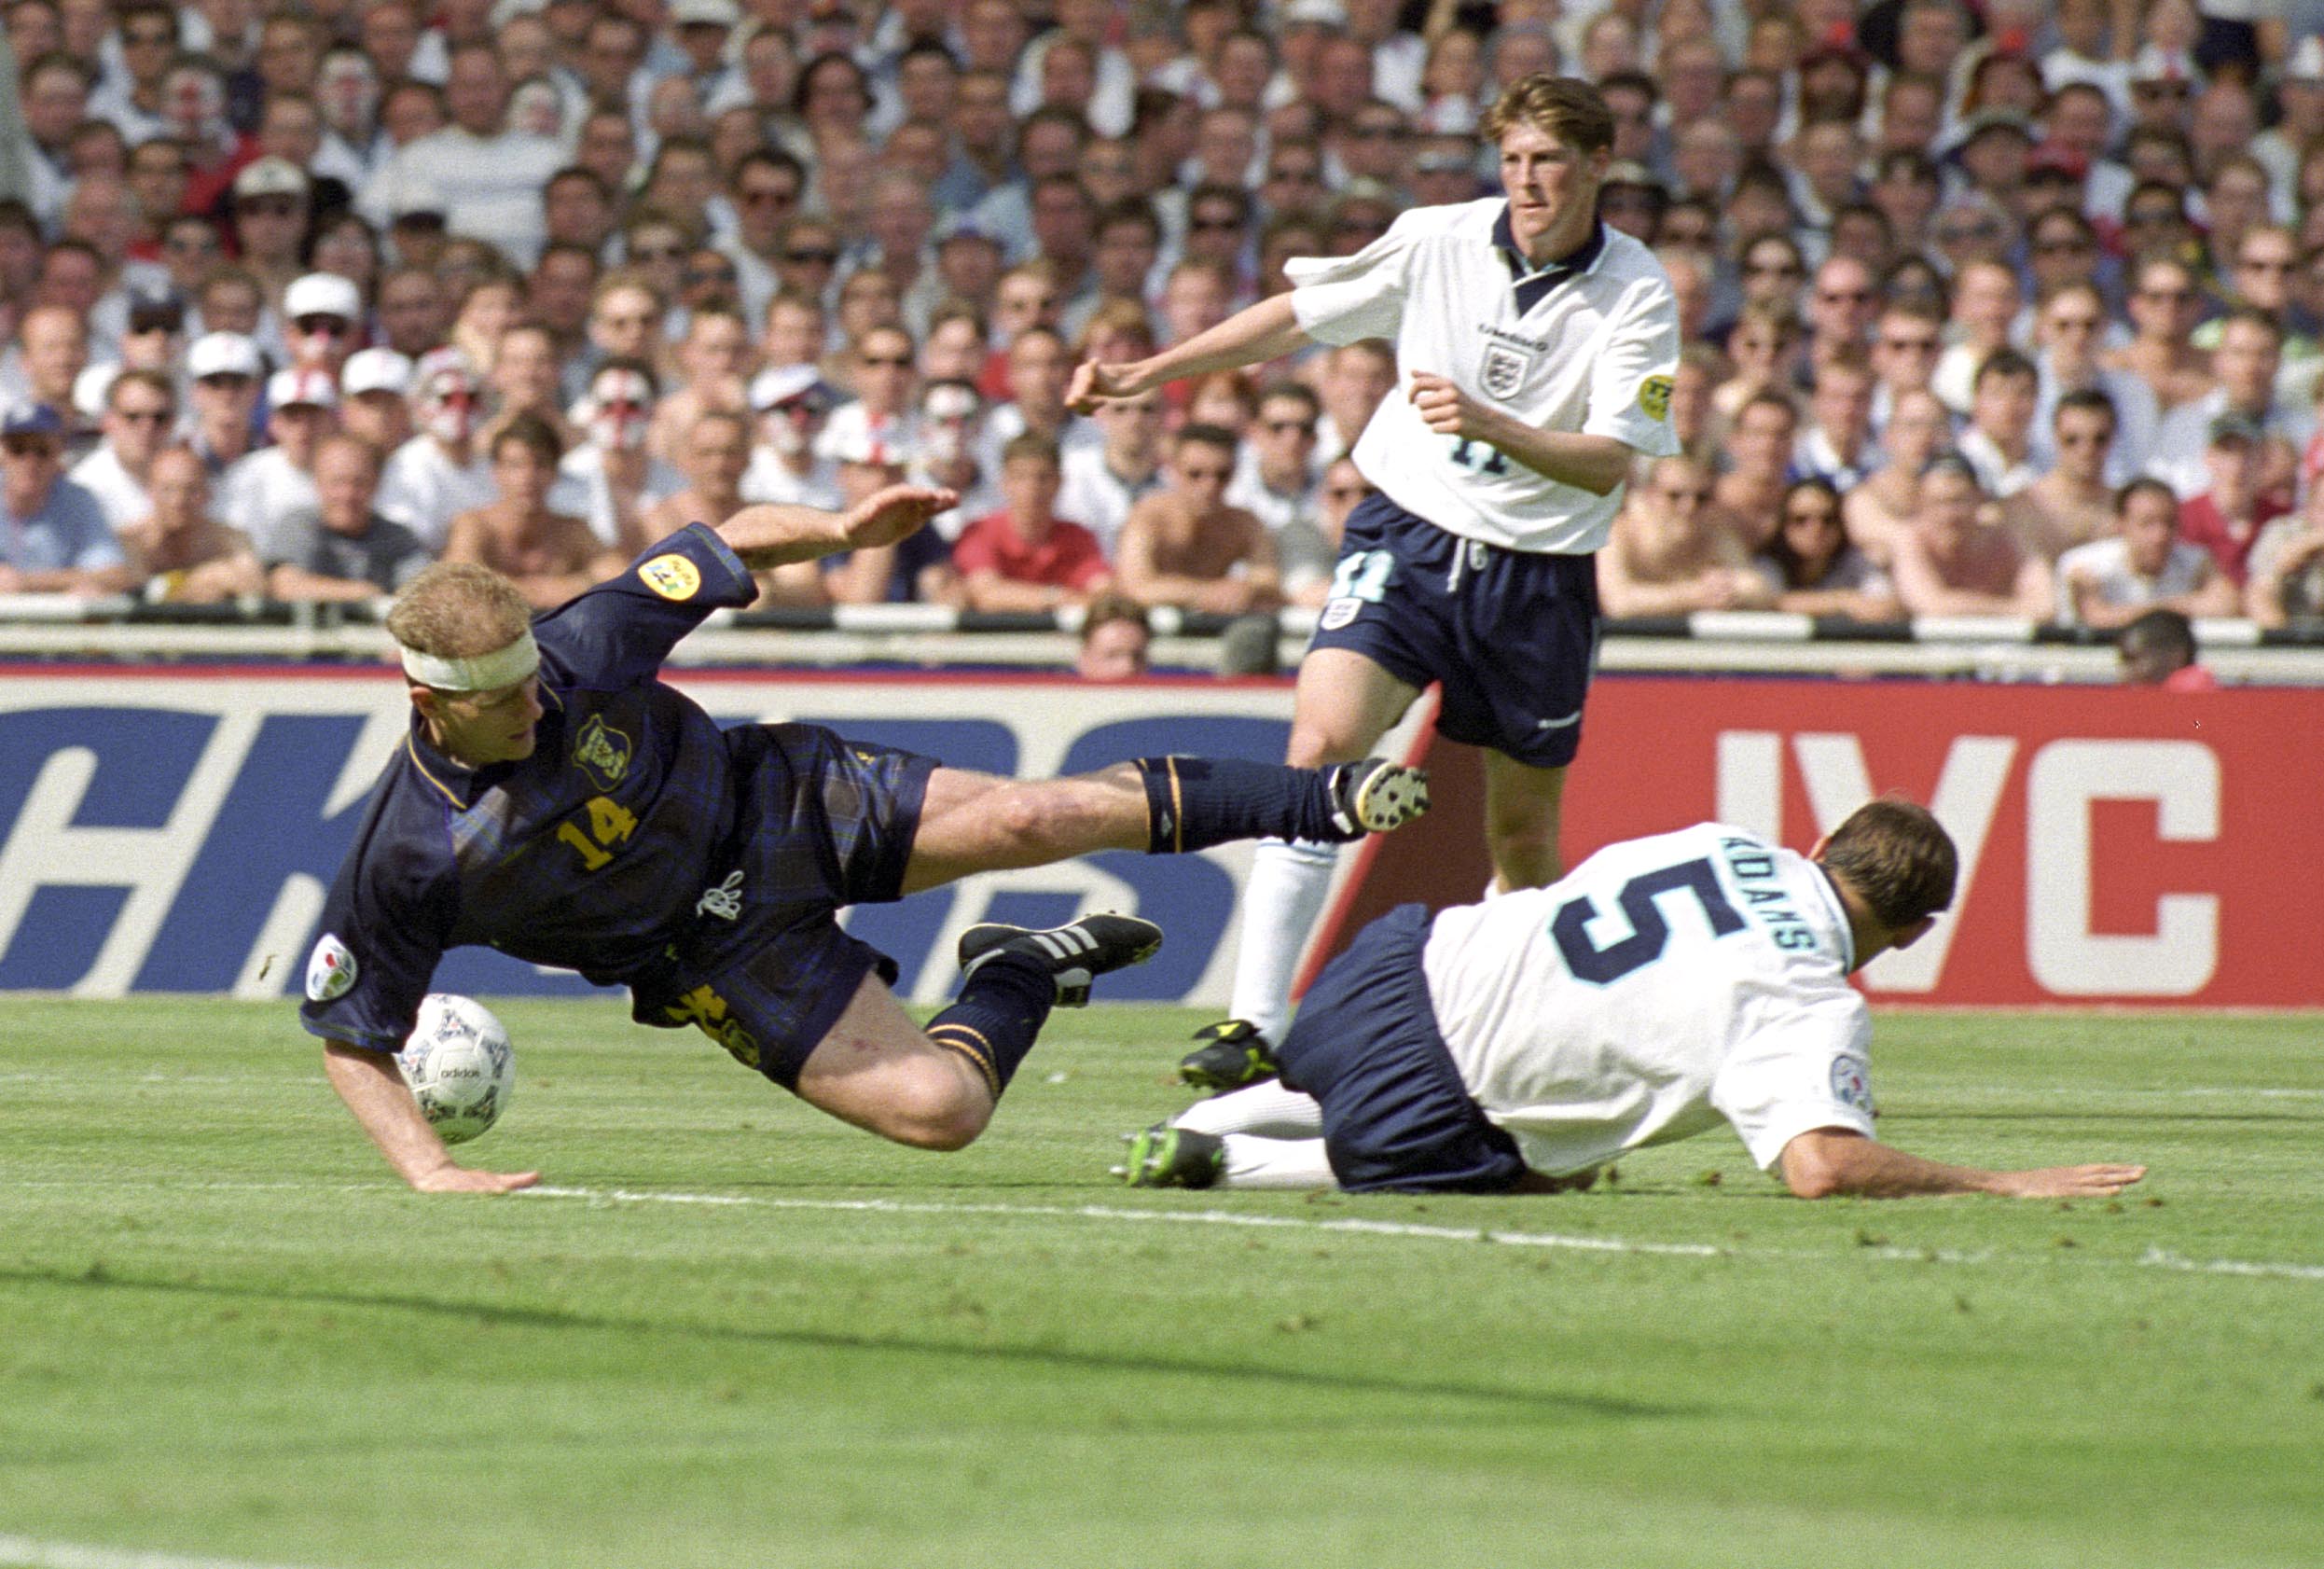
[460, 1179]
[2069, 1182]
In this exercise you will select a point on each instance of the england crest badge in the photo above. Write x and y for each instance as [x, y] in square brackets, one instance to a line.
[1502, 372]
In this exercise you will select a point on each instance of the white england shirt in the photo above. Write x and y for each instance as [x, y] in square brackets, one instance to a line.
[1586, 345]
[1662, 984]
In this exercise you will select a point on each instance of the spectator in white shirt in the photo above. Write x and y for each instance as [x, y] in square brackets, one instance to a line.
[277, 480]
[793, 405]
[141, 410]
[439, 474]
[489, 176]
[2110, 582]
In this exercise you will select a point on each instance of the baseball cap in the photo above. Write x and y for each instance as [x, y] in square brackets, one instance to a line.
[2236, 427]
[706, 13]
[375, 371]
[271, 176]
[2156, 64]
[323, 293]
[950, 400]
[222, 353]
[288, 389]
[1315, 13]
[32, 419]
[785, 383]
[442, 365]
[866, 445]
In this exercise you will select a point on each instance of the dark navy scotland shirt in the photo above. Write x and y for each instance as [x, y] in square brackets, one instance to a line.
[591, 855]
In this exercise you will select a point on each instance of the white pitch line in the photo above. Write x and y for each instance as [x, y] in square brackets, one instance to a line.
[31, 1553]
[2153, 1258]
[1183, 1218]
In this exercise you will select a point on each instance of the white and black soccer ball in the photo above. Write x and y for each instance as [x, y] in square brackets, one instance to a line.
[460, 1065]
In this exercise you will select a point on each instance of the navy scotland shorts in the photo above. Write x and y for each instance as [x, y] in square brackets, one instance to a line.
[821, 823]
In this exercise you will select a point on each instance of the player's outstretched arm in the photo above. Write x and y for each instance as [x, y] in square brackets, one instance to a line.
[771, 535]
[376, 1093]
[1267, 330]
[1829, 1161]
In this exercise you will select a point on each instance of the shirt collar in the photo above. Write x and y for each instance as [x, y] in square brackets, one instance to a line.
[1531, 283]
[455, 781]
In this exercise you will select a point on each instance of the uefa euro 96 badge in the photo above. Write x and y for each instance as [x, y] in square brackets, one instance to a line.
[330, 970]
[1851, 1082]
[671, 576]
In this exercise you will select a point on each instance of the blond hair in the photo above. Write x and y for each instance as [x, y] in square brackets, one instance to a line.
[1567, 108]
[457, 610]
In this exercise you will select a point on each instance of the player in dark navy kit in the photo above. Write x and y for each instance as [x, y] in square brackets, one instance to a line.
[554, 800]
[1537, 346]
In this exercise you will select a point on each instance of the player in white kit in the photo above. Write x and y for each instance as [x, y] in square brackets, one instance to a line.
[1537, 347]
[1668, 984]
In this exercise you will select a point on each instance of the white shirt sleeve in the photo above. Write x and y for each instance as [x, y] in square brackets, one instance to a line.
[1805, 1069]
[1345, 300]
[1630, 386]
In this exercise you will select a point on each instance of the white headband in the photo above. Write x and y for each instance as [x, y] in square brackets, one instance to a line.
[485, 673]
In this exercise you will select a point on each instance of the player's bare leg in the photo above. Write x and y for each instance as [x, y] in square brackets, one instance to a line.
[981, 821]
[1522, 807]
[1343, 705]
[936, 1088]
[879, 1071]
[978, 822]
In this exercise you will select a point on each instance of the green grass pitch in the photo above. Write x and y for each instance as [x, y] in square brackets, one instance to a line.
[740, 1334]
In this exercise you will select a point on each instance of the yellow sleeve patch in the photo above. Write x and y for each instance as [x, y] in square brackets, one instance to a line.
[1655, 396]
[671, 576]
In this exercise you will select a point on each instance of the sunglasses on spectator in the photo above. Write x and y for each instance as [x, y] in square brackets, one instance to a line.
[767, 196]
[323, 326]
[268, 207]
[1216, 223]
[812, 259]
[1278, 427]
[230, 381]
[884, 362]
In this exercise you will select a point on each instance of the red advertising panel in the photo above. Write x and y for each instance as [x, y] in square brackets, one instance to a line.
[2118, 845]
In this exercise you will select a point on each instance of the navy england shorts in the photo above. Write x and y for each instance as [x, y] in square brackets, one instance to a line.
[1513, 634]
[1396, 1116]
[821, 823]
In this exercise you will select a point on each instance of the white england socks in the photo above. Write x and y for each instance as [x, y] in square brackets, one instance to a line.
[1290, 880]
[1252, 1161]
[1266, 1109]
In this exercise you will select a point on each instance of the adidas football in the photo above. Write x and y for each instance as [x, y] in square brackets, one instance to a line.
[460, 1065]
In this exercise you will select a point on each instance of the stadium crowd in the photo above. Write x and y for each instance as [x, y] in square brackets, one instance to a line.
[2013, 309]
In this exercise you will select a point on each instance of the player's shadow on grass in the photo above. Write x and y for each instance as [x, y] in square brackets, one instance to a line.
[96, 1278]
